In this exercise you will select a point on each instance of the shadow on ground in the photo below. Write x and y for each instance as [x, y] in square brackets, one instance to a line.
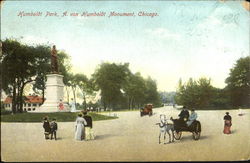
[190, 138]
[234, 131]
[100, 137]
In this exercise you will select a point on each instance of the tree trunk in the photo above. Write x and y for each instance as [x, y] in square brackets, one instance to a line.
[104, 105]
[74, 94]
[21, 97]
[132, 103]
[43, 93]
[128, 103]
[20, 94]
[85, 103]
[14, 99]
[18, 98]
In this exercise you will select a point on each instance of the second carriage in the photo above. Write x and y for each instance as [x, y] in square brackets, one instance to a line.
[179, 127]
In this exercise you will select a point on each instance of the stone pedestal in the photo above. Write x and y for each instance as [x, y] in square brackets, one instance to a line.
[53, 94]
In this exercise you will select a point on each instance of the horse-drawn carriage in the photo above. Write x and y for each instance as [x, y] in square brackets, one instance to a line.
[147, 110]
[180, 127]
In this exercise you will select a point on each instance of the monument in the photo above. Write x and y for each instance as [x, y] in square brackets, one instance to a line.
[54, 93]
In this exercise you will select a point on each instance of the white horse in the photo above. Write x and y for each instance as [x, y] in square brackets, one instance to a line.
[165, 128]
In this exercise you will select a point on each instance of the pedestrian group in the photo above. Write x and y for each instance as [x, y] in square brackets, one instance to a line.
[83, 127]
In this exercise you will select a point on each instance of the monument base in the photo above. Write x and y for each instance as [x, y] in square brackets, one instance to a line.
[54, 95]
[52, 107]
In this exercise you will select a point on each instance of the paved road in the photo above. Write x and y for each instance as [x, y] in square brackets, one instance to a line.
[130, 138]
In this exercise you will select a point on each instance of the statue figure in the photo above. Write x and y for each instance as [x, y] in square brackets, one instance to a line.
[54, 64]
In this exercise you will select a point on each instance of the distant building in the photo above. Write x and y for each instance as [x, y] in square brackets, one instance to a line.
[31, 103]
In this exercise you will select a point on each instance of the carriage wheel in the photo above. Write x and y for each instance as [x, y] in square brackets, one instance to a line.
[177, 135]
[196, 135]
[197, 132]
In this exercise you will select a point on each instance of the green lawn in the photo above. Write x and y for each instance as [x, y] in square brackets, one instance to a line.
[60, 117]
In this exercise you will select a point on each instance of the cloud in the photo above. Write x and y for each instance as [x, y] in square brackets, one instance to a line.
[34, 40]
[163, 33]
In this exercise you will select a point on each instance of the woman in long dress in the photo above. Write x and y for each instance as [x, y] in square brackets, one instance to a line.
[73, 106]
[79, 127]
[227, 123]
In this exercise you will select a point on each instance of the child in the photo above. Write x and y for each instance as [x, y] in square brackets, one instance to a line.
[46, 127]
[53, 127]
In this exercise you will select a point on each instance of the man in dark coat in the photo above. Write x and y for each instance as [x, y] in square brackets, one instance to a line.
[183, 116]
[88, 128]
[46, 127]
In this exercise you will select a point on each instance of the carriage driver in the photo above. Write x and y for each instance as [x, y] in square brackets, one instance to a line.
[192, 117]
[184, 115]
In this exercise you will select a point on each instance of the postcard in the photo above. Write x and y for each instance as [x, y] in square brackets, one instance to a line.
[125, 80]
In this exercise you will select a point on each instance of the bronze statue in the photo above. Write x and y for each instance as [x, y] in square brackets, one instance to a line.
[54, 64]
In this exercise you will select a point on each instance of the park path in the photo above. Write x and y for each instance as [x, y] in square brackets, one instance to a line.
[130, 138]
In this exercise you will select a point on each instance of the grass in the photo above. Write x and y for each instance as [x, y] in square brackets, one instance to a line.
[60, 117]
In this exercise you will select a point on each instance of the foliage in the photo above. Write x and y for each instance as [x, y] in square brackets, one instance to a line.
[238, 83]
[121, 89]
[110, 78]
[220, 98]
[152, 96]
[20, 64]
[23, 64]
[135, 90]
[4, 111]
[85, 86]
[195, 94]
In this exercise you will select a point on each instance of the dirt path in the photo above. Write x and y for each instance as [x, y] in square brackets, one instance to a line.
[129, 138]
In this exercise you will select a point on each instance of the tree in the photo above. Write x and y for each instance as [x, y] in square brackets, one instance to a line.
[23, 64]
[19, 66]
[43, 69]
[151, 93]
[73, 84]
[85, 86]
[220, 98]
[238, 83]
[194, 93]
[135, 90]
[110, 79]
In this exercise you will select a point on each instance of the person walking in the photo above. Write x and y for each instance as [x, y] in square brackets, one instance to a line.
[88, 128]
[73, 105]
[227, 123]
[53, 127]
[79, 127]
[46, 127]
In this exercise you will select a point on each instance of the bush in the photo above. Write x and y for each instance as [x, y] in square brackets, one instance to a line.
[5, 112]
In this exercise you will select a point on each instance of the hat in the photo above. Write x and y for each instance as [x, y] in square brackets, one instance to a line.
[227, 112]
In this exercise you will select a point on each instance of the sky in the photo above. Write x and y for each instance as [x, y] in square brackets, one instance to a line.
[186, 39]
